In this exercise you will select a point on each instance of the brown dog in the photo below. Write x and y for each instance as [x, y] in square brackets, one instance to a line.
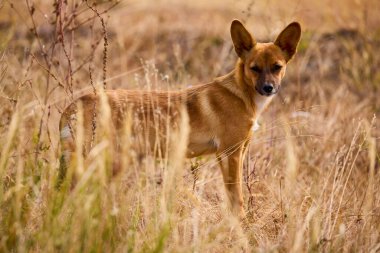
[220, 114]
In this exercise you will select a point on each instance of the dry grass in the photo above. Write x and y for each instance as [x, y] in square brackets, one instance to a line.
[311, 178]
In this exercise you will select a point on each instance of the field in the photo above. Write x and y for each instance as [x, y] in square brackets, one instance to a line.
[312, 174]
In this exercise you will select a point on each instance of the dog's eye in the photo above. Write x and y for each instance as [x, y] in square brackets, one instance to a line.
[256, 69]
[276, 68]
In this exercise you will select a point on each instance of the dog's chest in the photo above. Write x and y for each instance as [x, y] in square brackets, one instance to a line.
[255, 127]
[261, 102]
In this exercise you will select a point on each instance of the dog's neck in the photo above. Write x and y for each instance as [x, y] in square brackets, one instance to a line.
[239, 86]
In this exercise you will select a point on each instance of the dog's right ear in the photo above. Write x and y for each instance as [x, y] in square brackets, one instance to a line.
[242, 39]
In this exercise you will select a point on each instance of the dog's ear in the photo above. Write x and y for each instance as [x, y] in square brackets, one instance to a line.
[242, 39]
[288, 40]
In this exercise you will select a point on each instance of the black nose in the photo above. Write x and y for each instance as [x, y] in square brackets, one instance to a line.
[268, 88]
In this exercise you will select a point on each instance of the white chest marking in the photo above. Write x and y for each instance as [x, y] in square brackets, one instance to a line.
[261, 103]
[216, 142]
[255, 126]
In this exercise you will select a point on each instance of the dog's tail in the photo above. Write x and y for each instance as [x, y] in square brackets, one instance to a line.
[67, 141]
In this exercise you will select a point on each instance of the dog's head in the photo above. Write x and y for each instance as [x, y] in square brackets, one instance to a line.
[264, 64]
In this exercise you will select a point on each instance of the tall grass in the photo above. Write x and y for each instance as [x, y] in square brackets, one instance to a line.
[311, 177]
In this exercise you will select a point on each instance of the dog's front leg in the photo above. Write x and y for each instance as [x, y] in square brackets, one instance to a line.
[231, 165]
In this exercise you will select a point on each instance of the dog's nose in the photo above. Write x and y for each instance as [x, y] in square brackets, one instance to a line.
[268, 88]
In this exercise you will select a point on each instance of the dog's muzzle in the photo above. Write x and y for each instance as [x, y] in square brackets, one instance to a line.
[266, 90]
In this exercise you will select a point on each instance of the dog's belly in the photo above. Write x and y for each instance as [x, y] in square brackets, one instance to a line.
[201, 145]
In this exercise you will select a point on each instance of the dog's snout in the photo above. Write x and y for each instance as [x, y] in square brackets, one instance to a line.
[268, 88]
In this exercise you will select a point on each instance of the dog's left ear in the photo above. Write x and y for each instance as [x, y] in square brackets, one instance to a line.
[288, 40]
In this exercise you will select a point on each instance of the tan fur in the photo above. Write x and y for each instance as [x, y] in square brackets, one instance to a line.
[221, 113]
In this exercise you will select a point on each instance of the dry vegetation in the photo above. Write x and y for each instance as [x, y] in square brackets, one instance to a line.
[311, 179]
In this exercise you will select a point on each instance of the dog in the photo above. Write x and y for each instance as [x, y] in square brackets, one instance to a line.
[220, 114]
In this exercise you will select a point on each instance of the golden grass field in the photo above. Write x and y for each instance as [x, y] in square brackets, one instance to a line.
[312, 175]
